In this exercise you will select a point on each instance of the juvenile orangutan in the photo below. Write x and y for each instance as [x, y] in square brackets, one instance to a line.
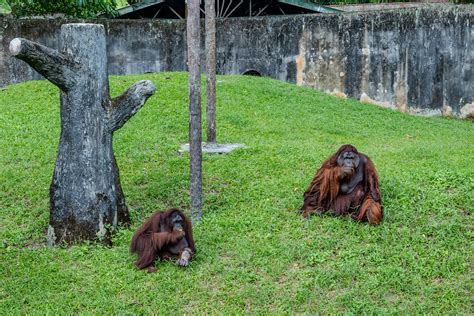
[164, 235]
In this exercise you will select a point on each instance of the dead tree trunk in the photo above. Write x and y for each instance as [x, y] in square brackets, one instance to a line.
[211, 71]
[86, 198]
[193, 30]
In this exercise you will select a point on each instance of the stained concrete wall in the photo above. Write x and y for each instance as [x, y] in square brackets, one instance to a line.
[419, 59]
[133, 46]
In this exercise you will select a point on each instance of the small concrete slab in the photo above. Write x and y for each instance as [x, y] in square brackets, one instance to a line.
[213, 148]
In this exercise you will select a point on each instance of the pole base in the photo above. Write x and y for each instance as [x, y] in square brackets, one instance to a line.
[213, 148]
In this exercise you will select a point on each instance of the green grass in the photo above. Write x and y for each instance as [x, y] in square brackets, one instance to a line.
[255, 253]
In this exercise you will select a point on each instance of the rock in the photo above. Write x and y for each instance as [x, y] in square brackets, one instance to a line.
[447, 111]
[338, 94]
[402, 107]
[364, 98]
[467, 111]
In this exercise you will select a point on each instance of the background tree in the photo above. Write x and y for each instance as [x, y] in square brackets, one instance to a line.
[70, 8]
[86, 198]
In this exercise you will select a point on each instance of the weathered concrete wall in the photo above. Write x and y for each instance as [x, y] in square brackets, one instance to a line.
[364, 7]
[132, 46]
[419, 59]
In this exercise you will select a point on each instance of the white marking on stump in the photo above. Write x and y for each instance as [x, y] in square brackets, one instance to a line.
[15, 46]
[50, 237]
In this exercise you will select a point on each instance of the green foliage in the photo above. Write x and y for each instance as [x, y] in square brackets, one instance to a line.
[122, 3]
[4, 7]
[70, 8]
[256, 255]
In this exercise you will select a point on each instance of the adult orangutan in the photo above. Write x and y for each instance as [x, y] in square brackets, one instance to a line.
[346, 183]
[164, 235]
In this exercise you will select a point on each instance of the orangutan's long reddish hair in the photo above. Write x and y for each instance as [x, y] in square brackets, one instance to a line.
[363, 202]
[151, 239]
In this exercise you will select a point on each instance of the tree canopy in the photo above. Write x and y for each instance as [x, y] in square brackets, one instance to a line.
[4, 7]
[69, 8]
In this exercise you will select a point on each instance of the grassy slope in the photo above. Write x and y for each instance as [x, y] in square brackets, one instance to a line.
[255, 254]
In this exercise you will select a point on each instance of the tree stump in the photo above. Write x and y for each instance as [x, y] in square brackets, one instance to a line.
[86, 198]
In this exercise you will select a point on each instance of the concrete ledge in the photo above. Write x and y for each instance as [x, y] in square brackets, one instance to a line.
[213, 148]
[364, 7]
